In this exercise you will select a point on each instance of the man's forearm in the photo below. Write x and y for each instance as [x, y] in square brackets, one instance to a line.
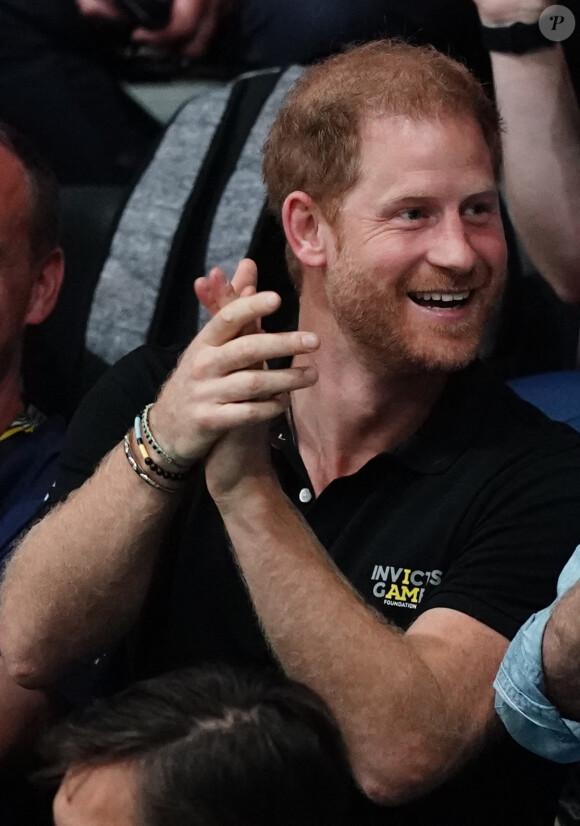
[79, 577]
[399, 722]
[23, 714]
[542, 161]
[561, 655]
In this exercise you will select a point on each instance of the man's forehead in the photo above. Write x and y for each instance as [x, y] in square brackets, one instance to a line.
[14, 180]
[11, 164]
[402, 146]
[16, 197]
[395, 126]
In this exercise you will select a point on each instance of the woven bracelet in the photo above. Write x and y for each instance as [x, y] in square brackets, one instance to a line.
[153, 441]
[171, 476]
[140, 473]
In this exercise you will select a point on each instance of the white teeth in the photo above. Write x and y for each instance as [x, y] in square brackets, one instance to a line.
[443, 296]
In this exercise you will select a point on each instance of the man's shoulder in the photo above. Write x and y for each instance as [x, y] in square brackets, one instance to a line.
[516, 422]
[517, 453]
[130, 383]
[480, 428]
[109, 409]
[28, 466]
[148, 364]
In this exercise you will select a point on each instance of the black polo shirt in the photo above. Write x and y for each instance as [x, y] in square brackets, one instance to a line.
[478, 512]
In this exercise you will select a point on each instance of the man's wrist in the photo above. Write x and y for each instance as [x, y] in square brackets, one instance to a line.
[518, 38]
[252, 494]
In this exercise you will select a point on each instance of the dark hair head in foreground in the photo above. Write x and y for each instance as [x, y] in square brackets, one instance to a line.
[214, 747]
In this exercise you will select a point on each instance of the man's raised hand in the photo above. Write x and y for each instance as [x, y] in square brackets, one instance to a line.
[104, 9]
[192, 27]
[214, 291]
[217, 387]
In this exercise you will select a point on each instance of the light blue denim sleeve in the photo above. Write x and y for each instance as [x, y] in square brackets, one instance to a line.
[528, 716]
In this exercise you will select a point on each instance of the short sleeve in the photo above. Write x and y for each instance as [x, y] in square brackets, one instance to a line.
[107, 412]
[514, 540]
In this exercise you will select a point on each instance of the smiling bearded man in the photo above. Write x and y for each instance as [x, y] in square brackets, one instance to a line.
[374, 513]
[420, 258]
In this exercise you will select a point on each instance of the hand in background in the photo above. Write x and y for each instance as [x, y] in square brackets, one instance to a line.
[104, 9]
[191, 28]
[505, 12]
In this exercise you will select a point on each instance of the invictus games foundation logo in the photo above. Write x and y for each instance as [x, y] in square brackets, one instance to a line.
[402, 587]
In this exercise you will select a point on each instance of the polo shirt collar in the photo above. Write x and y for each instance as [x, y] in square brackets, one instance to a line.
[437, 444]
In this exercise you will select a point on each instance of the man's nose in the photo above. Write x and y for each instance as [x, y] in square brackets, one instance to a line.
[450, 246]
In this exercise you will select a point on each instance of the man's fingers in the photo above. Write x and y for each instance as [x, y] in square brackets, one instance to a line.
[233, 318]
[255, 385]
[198, 45]
[246, 275]
[105, 9]
[183, 23]
[244, 283]
[214, 291]
[253, 349]
[240, 414]
[191, 28]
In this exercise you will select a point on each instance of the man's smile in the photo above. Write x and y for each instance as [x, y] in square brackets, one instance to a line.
[441, 300]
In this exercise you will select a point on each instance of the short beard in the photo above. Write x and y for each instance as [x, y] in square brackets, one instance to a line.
[384, 346]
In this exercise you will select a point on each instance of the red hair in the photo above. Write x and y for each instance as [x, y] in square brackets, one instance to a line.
[314, 143]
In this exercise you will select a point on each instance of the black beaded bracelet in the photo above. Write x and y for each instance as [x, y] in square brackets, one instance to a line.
[173, 476]
[165, 474]
[141, 473]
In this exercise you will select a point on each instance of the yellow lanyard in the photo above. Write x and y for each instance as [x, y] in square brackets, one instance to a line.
[17, 427]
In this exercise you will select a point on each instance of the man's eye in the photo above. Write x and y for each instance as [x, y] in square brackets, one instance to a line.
[412, 214]
[478, 209]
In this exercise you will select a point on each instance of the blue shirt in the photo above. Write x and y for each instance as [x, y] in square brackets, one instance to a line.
[529, 717]
[28, 466]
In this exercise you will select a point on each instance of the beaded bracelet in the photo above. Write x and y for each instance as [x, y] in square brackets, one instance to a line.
[140, 473]
[166, 474]
[153, 441]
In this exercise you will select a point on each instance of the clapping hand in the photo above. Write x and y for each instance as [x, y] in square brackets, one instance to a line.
[241, 457]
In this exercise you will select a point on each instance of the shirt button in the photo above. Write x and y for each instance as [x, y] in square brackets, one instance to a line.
[305, 495]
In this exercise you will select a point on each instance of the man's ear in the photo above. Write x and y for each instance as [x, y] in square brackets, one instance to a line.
[48, 279]
[306, 229]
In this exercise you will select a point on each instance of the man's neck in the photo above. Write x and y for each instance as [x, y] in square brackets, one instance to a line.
[355, 412]
[340, 423]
